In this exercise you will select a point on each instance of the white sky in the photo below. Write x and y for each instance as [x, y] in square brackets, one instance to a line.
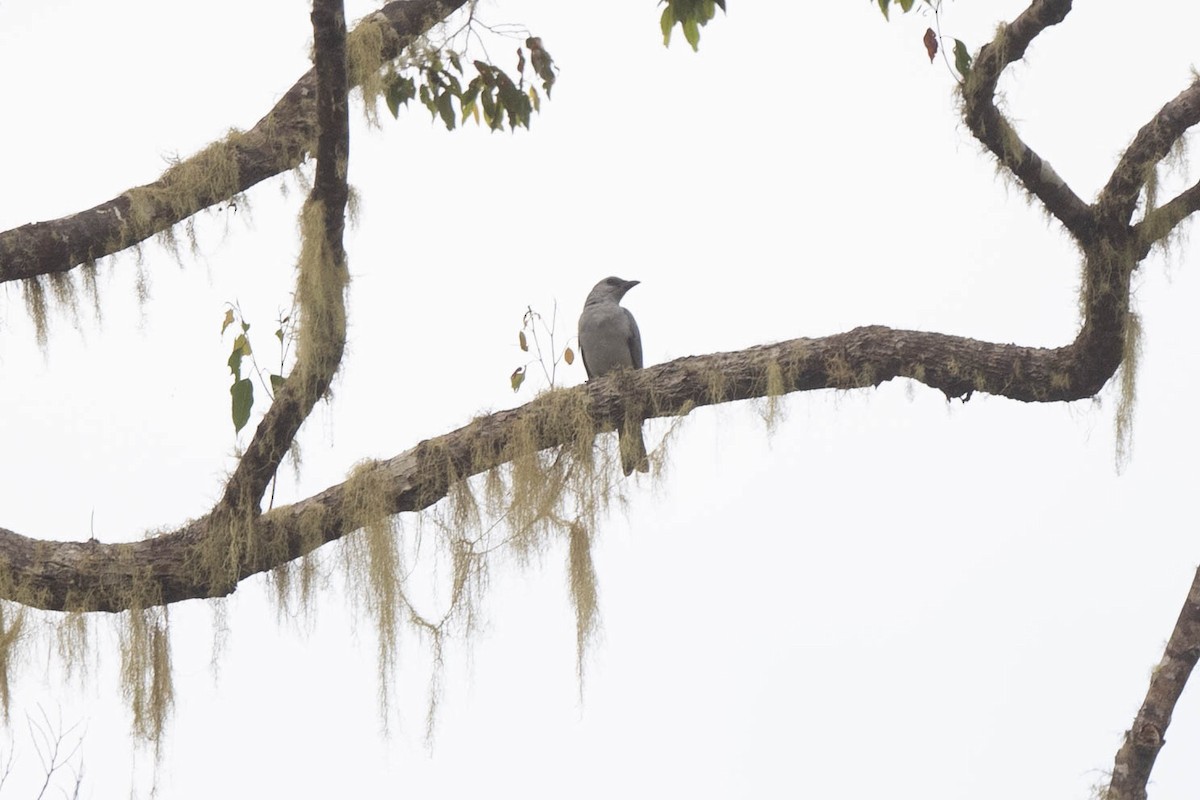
[889, 596]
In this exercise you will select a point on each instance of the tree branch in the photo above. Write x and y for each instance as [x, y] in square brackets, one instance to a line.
[323, 276]
[277, 143]
[1135, 759]
[1118, 198]
[1159, 223]
[991, 128]
[90, 576]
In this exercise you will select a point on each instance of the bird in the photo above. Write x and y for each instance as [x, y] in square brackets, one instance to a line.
[609, 340]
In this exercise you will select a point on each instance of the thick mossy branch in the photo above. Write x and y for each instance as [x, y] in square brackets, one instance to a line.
[1110, 334]
[280, 141]
[97, 577]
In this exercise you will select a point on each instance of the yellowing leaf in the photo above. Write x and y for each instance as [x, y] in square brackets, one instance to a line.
[569, 356]
[523, 341]
[228, 319]
[242, 343]
[517, 378]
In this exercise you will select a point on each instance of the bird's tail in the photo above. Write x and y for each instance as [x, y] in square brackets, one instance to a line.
[633, 449]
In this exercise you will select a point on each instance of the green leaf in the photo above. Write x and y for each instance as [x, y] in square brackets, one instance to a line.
[521, 340]
[883, 6]
[668, 22]
[279, 335]
[493, 115]
[517, 378]
[514, 101]
[242, 393]
[454, 62]
[542, 63]
[399, 91]
[445, 107]
[276, 382]
[427, 99]
[228, 320]
[691, 32]
[962, 59]
[906, 5]
[472, 92]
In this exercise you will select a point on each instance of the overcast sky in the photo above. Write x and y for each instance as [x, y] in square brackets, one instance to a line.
[887, 595]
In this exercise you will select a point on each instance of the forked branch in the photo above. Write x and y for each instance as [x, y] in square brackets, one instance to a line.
[991, 128]
[280, 141]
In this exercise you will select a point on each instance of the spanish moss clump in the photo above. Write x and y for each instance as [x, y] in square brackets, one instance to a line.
[35, 305]
[73, 637]
[538, 501]
[188, 186]
[320, 298]
[373, 566]
[584, 595]
[1127, 383]
[12, 631]
[364, 62]
[775, 411]
[146, 671]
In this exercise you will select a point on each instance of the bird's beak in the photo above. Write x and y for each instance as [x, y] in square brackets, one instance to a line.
[630, 284]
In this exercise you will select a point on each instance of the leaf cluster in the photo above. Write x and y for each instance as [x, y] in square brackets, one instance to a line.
[491, 97]
[242, 390]
[691, 15]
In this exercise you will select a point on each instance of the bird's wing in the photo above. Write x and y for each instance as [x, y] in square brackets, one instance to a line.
[583, 355]
[634, 341]
[579, 341]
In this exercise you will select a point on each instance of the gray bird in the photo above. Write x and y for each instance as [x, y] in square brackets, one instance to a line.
[609, 340]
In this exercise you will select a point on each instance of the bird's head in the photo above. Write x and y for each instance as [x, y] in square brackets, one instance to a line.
[611, 289]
